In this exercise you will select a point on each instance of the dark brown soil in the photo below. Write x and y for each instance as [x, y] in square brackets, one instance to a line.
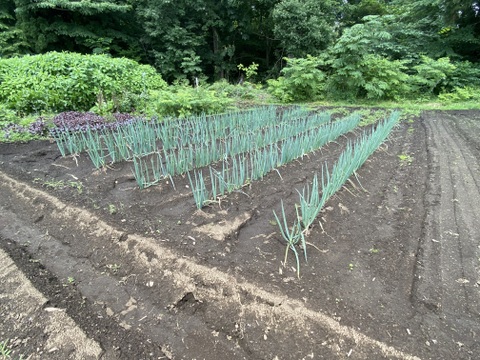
[392, 272]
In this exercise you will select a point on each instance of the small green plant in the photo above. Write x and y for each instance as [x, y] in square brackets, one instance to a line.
[370, 116]
[54, 184]
[374, 250]
[250, 71]
[409, 115]
[70, 281]
[113, 267]
[112, 209]
[183, 101]
[351, 267]
[60, 184]
[405, 159]
[76, 185]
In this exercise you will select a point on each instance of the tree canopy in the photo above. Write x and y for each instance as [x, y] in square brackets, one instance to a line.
[205, 38]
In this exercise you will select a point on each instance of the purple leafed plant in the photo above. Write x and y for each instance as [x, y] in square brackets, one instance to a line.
[73, 121]
[37, 128]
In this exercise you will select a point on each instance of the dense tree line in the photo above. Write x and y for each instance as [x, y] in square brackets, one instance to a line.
[195, 38]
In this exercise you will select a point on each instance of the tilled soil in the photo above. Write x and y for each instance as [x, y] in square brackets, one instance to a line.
[392, 271]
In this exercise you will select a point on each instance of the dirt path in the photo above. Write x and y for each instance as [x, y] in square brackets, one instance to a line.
[392, 273]
[449, 257]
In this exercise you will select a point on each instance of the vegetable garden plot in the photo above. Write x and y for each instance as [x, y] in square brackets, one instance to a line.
[360, 294]
[312, 201]
[222, 154]
[266, 136]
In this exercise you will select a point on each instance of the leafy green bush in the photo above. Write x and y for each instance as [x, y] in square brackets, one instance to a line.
[7, 115]
[370, 76]
[461, 94]
[432, 75]
[240, 92]
[55, 82]
[465, 74]
[182, 101]
[301, 80]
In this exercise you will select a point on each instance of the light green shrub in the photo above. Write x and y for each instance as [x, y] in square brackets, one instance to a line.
[245, 91]
[369, 76]
[301, 80]
[461, 94]
[55, 82]
[465, 74]
[7, 115]
[183, 101]
[432, 75]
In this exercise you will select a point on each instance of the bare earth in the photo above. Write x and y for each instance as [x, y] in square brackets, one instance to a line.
[92, 267]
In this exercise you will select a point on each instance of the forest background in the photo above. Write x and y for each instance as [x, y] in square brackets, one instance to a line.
[273, 50]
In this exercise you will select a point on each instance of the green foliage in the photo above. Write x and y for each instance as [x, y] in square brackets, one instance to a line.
[239, 93]
[12, 41]
[183, 101]
[7, 116]
[52, 25]
[372, 77]
[301, 80]
[17, 137]
[250, 71]
[359, 42]
[432, 75]
[66, 81]
[359, 70]
[465, 74]
[305, 27]
[461, 94]
[356, 11]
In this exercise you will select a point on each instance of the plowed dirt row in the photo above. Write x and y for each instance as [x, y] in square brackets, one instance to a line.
[392, 272]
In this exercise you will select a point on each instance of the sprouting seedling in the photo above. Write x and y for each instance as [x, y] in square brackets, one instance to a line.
[112, 209]
[405, 159]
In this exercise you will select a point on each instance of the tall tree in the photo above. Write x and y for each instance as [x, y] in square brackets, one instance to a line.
[207, 36]
[12, 40]
[82, 26]
[356, 10]
[306, 26]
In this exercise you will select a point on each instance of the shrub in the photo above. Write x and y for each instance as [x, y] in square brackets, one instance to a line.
[7, 115]
[369, 76]
[55, 82]
[182, 101]
[301, 80]
[432, 75]
[240, 92]
[465, 74]
[81, 121]
[13, 132]
[460, 94]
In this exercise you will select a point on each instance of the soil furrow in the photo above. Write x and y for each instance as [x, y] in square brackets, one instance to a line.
[185, 274]
[450, 251]
[392, 271]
